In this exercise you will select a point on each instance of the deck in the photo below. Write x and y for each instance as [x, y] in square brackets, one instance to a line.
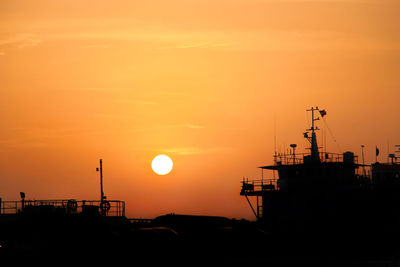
[64, 206]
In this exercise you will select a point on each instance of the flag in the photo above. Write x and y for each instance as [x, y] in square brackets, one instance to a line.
[322, 112]
[376, 151]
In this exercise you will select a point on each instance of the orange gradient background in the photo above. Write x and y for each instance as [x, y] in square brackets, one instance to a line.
[201, 81]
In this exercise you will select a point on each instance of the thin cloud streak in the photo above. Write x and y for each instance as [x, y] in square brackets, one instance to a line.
[188, 151]
[193, 126]
[21, 40]
[161, 38]
[198, 45]
[260, 40]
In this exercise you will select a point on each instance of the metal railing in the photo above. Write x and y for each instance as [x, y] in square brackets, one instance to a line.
[10, 207]
[67, 206]
[140, 220]
[298, 158]
[259, 185]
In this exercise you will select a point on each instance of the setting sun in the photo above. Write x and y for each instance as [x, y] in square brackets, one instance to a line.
[162, 164]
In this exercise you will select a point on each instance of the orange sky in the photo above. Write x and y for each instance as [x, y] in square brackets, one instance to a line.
[200, 81]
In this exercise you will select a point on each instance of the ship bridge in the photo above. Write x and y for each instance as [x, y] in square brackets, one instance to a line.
[300, 175]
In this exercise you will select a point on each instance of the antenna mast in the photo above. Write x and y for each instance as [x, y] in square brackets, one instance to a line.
[313, 138]
[275, 139]
[313, 129]
[102, 197]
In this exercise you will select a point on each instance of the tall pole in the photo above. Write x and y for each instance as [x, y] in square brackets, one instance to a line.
[312, 119]
[314, 145]
[101, 181]
[362, 153]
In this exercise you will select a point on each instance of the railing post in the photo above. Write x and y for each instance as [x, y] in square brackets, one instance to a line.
[258, 208]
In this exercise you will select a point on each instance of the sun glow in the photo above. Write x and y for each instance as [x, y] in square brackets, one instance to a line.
[162, 164]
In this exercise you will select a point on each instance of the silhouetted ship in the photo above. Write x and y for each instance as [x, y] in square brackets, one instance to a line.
[326, 191]
[329, 198]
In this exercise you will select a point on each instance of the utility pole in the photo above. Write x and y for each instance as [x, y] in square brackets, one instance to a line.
[101, 180]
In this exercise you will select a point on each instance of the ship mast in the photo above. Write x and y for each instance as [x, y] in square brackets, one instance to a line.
[313, 139]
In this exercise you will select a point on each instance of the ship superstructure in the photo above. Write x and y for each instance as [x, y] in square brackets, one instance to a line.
[323, 190]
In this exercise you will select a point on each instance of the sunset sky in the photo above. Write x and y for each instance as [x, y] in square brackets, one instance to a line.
[207, 82]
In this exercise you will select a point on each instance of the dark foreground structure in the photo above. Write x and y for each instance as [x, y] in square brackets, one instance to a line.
[45, 233]
[332, 201]
[184, 240]
[322, 209]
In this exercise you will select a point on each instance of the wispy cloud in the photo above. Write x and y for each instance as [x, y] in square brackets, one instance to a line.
[21, 40]
[97, 46]
[268, 39]
[192, 126]
[143, 102]
[168, 126]
[22, 143]
[195, 45]
[38, 137]
[99, 38]
[193, 150]
[183, 125]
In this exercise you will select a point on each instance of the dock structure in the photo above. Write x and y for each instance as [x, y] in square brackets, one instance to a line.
[102, 207]
[64, 207]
